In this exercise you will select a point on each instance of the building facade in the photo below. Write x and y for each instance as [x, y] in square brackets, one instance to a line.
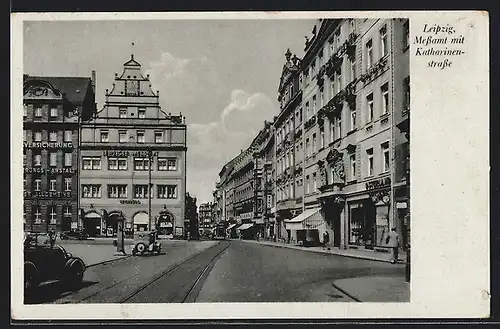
[191, 217]
[133, 161]
[289, 147]
[205, 216]
[350, 72]
[341, 140]
[263, 146]
[54, 107]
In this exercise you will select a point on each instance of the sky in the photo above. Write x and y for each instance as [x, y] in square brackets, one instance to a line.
[223, 75]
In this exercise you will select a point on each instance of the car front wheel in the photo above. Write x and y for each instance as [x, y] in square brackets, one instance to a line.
[31, 279]
[75, 268]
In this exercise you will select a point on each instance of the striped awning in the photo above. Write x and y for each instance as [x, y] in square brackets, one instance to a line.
[245, 226]
[93, 215]
[309, 219]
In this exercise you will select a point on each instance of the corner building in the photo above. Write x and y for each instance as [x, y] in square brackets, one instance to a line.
[130, 144]
[53, 110]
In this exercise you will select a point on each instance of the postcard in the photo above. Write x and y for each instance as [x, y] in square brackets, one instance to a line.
[250, 165]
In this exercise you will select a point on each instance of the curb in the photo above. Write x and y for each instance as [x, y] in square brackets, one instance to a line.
[345, 293]
[322, 252]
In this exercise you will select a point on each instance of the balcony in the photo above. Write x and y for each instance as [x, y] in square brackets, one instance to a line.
[375, 70]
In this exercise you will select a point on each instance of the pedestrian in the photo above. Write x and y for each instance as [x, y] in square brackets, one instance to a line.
[393, 242]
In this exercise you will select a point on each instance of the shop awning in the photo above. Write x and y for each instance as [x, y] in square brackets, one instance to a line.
[93, 215]
[231, 226]
[245, 226]
[309, 219]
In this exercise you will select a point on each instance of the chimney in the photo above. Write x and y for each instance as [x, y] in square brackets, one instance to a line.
[93, 80]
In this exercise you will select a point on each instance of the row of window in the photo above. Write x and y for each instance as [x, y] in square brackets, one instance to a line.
[121, 163]
[140, 136]
[311, 185]
[37, 159]
[52, 184]
[51, 214]
[37, 136]
[120, 191]
[53, 113]
[123, 113]
[370, 109]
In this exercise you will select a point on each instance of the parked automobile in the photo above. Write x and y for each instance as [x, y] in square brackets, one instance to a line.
[74, 235]
[45, 261]
[146, 242]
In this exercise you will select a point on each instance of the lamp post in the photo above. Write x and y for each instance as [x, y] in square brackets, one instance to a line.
[78, 212]
[150, 162]
[408, 230]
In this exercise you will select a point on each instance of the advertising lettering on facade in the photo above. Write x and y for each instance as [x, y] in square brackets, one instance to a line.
[130, 202]
[47, 194]
[37, 170]
[380, 183]
[122, 153]
[48, 145]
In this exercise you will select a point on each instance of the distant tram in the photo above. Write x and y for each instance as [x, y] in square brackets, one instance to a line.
[220, 231]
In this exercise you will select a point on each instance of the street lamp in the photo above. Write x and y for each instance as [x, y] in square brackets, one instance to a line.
[78, 213]
[150, 162]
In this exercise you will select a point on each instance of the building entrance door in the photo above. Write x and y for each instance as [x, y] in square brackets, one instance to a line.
[92, 224]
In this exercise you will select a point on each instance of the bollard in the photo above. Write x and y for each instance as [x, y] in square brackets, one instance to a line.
[408, 264]
[120, 239]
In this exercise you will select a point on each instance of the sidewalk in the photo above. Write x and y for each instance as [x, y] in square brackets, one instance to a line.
[353, 253]
[375, 288]
[93, 254]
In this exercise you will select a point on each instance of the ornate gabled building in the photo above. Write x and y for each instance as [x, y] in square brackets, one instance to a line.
[53, 109]
[288, 181]
[133, 161]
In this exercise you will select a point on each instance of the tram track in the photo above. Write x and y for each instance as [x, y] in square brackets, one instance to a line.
[193, 271]
[198, 263]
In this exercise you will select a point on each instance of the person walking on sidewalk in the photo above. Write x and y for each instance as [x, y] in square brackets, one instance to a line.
[393, 242]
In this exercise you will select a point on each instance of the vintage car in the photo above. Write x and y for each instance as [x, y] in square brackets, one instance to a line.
[45, 261]
[74, 235]
[146, 242]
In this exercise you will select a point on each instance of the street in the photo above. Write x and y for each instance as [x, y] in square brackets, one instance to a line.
[234, 271]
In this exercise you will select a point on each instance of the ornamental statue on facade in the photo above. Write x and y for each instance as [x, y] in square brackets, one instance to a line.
[322, 173]
[336, 162]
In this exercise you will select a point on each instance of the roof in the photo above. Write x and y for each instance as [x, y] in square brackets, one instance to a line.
[132, 62]
[74, 88]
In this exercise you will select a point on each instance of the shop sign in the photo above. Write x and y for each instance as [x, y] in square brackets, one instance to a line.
[38, 170]
[247, 215]
[178, 231]
[165, 224]
[401, 205]
[130, 202]
[47, 194]
[379, 183]
[47, 145]
[121, 153]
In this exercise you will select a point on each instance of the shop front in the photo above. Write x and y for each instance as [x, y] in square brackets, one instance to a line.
[247, 231]
[165, 223]
[92, 223]
[369, 222]
[111, 224]
[141, 221]
[307, 227]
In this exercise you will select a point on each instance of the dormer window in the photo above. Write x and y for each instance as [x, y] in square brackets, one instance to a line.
[123, 112]
[141, 113]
